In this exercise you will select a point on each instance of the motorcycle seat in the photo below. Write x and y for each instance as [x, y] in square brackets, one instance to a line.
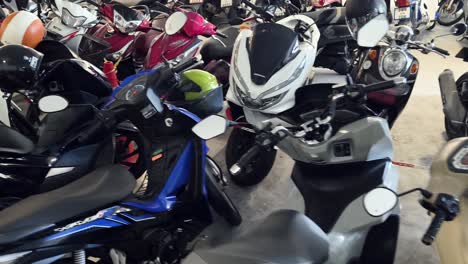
[213, 50]
[13, 142]
[286, 236]
[328, 16]
[99, 188]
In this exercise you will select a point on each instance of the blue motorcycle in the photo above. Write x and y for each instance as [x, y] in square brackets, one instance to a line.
[100, 216]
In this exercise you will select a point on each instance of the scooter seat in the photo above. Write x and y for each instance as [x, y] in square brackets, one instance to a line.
[328, 16]
[285, 236]
[99, 188]
[213, 50]
[13, 142]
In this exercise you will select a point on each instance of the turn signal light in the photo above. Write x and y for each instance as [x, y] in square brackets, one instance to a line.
[414, 68]
[372, 54]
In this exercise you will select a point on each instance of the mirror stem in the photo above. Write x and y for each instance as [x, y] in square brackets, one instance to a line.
[427, 194]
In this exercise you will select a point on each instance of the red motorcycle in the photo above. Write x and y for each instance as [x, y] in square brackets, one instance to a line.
[123, 25]
[180, 41]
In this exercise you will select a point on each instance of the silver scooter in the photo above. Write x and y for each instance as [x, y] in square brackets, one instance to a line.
[355, 192]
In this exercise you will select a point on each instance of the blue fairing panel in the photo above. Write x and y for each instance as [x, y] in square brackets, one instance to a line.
[179, 177]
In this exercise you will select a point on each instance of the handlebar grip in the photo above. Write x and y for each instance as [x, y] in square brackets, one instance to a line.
[445, 52]
[383, 85]
[245, 160]
[434, 228]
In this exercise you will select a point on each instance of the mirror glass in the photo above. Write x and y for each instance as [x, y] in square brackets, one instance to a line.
[380, 201]
[210, 127]
[373, 31]
[174, 23]
[458, 29]
[52, 103]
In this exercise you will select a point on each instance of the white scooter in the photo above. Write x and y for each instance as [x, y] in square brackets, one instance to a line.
[71, 23]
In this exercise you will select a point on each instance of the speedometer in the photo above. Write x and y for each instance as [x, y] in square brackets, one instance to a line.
[134, 91]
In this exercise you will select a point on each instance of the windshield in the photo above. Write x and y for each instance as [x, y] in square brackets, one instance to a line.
[271, 47]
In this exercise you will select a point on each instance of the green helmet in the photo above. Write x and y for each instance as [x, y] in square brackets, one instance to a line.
[202, 94]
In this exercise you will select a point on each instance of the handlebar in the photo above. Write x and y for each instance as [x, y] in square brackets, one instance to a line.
[446, 207]
[245, 160]
[434, 228]
[442, 51]
[383, 85]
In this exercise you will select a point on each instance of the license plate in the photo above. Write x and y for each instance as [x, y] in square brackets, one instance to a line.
[226, 3]
[195, 1]
[402, 13]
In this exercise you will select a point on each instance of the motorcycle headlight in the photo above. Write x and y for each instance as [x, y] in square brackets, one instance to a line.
[71, 20]
[123, 25]
[394, 62]
[262, 101]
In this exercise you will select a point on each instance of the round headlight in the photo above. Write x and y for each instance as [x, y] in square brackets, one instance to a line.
[393, 63]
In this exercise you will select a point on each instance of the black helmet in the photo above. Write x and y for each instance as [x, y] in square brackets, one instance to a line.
[367, 20]
[19, 66]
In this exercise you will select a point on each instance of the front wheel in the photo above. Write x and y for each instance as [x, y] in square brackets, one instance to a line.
[449, 15]
[239, 142]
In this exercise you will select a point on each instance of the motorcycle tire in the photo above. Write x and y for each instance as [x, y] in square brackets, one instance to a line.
[451, 22]
[239, 142]
[219, 200]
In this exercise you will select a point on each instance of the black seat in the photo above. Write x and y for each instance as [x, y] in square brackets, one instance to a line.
[101, 187]
[13, 142]
[285, 236]
[328, 16]
[214, 50]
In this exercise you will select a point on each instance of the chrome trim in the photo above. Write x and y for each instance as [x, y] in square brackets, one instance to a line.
[57, 171]
[385, 52]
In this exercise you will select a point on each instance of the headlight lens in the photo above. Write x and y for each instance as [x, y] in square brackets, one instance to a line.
[393, 63]
[123, 25]
[460, 159]
[70, 20]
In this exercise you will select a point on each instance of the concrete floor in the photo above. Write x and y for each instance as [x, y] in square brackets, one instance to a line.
[418, 135]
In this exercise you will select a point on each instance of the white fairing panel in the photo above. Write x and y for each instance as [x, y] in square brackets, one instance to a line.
[300, 66]
[79, 11]
[369, 139]
[56, 26]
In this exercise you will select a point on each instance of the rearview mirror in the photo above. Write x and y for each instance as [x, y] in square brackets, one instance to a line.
[380, 201]
[52, 104]
[175, 22]
[210, 127]
[458, 29]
